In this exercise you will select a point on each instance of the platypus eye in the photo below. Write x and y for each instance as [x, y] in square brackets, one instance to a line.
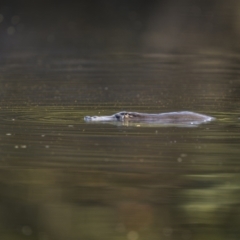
[117, 117]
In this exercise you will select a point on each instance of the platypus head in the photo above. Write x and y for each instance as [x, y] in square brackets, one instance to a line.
[121, 116]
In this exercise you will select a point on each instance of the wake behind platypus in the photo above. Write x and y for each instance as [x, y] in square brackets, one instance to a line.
[183, 117]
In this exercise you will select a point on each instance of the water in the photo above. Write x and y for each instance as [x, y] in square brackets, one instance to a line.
[62, 178]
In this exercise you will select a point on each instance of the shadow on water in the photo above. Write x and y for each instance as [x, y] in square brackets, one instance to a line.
[62, 178]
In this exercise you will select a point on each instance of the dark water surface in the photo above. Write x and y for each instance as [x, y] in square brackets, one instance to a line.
[62, 178]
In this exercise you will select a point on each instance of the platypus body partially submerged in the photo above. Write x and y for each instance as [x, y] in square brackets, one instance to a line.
[183, 117]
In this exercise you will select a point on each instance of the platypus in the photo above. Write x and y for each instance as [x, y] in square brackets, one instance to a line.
[183, 117]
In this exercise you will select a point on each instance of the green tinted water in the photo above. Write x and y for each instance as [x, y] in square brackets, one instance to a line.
[62, 178]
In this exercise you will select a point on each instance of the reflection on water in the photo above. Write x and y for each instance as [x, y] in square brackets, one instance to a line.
[62, 178]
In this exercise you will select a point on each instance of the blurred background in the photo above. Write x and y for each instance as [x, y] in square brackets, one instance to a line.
[127, 25]
[62, 178]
